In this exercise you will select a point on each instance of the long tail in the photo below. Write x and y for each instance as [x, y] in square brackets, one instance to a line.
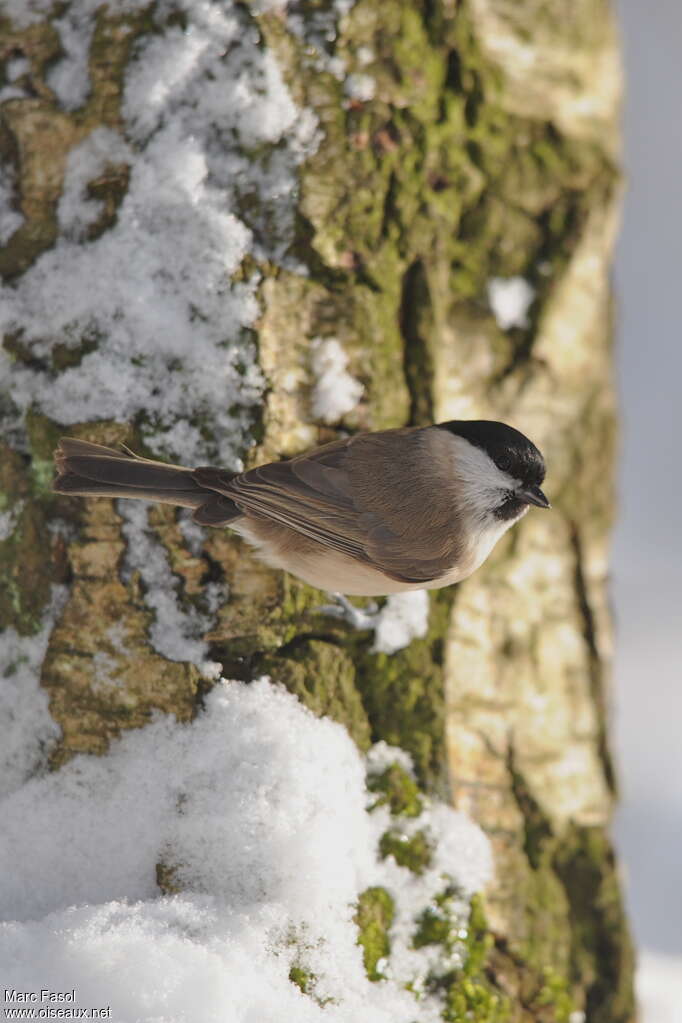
[91, 470]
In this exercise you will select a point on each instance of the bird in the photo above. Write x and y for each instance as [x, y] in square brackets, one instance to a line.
[371, 514]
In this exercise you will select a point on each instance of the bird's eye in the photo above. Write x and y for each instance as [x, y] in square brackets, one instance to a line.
[503, 463]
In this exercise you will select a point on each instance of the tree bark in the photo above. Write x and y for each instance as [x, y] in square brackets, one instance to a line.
[486, 148]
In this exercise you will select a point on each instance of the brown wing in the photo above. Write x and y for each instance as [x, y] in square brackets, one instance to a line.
[378, 497]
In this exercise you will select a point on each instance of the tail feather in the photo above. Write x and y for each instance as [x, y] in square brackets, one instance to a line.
[92, 470]
[132, 472]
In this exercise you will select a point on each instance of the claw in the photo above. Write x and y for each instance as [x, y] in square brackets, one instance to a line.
[358, 618]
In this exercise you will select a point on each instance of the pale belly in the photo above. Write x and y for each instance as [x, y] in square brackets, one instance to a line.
[326, 569]
[330, 570]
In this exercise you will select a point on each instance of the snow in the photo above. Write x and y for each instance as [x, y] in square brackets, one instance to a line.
[9, 519]
[335, 391]
[16, 67]
[659, 987]
[69, 78]
[106, 667]
[176, 631]
[360, 87]
[510, 298]
[404, 617]
[10, 219]
[76, 210]
[26, 726]
[258, 811]
[209, 127]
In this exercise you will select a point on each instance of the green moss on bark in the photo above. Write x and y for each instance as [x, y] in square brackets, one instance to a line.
[403, 694]
[322, 676]
[396, 789]
[303, 979]
[601, 951]
[26, 550]
[575, 929]
[25, 567]
[469, 992]
[374, 918]
[413, 851]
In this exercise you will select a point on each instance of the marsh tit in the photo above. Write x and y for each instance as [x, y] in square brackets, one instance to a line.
[373, 514]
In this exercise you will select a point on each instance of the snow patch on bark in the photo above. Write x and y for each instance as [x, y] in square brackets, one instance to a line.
[212, 142]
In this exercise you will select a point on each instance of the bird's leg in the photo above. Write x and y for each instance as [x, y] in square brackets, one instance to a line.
[359, 618]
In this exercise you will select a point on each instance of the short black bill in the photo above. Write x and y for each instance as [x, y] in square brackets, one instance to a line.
[533, 495]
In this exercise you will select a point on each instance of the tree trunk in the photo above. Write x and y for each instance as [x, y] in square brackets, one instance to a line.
[457, 148]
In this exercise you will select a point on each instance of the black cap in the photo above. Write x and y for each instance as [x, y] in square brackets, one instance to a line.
[509, 449]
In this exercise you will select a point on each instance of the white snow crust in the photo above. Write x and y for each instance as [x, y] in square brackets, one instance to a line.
[259, 812]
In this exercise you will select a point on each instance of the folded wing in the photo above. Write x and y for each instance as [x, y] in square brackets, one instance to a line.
[355, 497]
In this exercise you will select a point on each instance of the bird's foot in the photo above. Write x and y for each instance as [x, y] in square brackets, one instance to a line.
[359, 618]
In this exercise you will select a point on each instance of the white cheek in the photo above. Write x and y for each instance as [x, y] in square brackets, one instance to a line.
[481, 484]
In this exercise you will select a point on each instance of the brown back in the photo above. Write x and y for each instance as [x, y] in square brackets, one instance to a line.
[385, 498]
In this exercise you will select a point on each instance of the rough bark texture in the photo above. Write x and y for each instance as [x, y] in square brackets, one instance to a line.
[488, 150]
